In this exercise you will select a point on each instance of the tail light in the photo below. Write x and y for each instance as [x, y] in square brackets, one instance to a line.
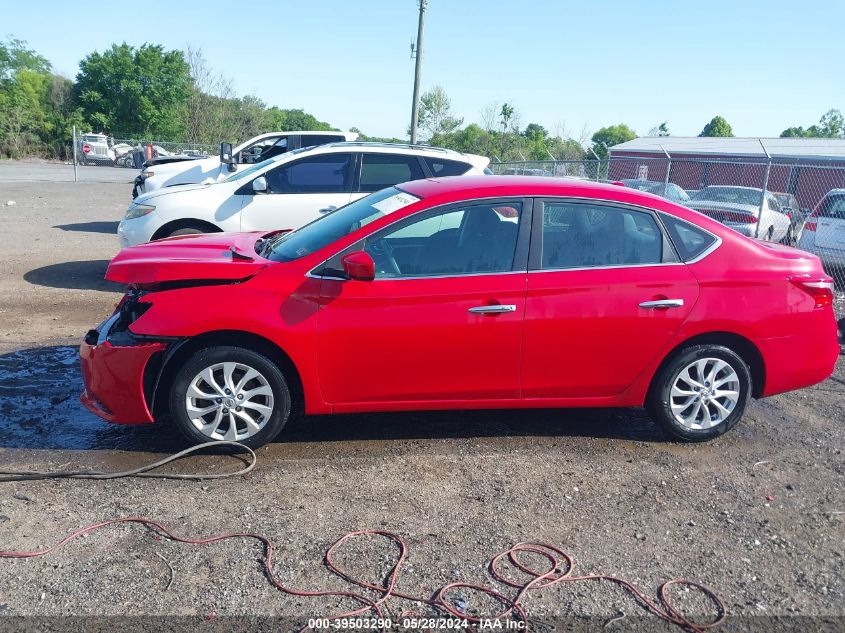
[810, 224]
[730, 216]
[820, 289]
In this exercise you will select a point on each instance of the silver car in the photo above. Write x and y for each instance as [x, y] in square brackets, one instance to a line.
[824, 232]
[740, 207]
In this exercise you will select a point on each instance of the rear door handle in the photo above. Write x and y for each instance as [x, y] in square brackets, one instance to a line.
[493, 309]
[662, 303]
[328, 209]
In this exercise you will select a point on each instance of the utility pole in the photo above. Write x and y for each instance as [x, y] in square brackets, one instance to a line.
[415, 109]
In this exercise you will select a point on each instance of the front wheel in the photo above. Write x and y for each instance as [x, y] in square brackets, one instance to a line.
[187, 230]
[229, 393]
[700, 393]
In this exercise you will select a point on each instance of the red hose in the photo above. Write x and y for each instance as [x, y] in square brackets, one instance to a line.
[559, 570]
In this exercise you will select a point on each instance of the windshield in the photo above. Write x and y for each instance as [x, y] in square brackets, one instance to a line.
[250, 170]
[238, 175]
[330, 228]
[734, 195]
[645, 185]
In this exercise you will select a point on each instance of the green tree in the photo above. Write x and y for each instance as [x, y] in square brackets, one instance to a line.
[535, 132]
[435, 114]
[718, 126]
[830, 125]
[660, 130]
[280, 120]
[135, 92]
[14, 56]
[609, 136]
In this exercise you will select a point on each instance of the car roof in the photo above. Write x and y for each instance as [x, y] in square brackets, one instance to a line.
[393, 147]
[732, 187]
[461, 187]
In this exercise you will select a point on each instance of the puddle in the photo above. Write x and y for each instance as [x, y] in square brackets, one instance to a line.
[40, 409]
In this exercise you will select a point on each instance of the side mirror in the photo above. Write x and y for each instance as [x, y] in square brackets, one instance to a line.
[259, 185]
[226, 156]
[359, 266]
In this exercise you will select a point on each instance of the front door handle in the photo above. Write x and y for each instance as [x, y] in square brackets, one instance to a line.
[328, 209]
[493, 309]
[662, 303]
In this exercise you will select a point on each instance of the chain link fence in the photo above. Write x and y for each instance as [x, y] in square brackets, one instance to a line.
[799, 204]
[103, 150]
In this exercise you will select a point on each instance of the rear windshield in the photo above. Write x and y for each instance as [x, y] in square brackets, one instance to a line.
[645, 185]
[833, 207]
[734, 195]
[330, 228]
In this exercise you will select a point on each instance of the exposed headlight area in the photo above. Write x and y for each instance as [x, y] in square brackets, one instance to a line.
[138, 210]
[115, 329]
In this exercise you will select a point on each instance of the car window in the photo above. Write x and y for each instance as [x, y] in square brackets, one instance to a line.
[307, 140]
[731, 195]
[263, 149]
[443, 167]
[679, 194]
[385, 170]
[690, 241]
[592, 235]
[474, 239]
[327, 173]
[833, 207]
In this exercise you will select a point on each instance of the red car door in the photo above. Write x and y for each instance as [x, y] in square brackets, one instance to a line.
[442, 320]
[605, 295]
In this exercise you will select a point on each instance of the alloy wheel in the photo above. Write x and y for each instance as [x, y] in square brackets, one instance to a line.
[229, 401]
[704, 393]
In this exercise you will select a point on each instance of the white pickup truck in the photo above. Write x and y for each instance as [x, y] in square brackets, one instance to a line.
[214, 168]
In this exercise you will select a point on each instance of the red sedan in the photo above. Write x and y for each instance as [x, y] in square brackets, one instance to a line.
[462, 293]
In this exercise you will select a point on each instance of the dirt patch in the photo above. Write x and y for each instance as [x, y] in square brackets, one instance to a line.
[756, 515]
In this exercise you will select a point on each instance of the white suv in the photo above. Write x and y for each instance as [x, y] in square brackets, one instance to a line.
[823, 233]
[288, 191]
[213, 169]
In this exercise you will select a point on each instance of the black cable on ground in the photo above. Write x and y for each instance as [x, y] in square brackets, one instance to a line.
[141, 471]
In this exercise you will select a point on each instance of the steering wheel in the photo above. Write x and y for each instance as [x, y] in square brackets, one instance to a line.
[382, 254]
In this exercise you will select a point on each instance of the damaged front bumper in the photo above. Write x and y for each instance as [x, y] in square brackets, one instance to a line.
[114, 364]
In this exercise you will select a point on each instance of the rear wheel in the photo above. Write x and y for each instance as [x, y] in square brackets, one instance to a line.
[229, 393]
[700, 393]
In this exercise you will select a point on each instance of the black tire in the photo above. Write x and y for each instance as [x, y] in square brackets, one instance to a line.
[211, 356]
[187, 230]
[658, 403]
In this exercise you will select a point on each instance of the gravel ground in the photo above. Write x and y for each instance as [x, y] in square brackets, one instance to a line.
[757, 515]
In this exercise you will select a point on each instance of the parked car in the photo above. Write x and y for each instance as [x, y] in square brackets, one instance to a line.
[526, 171]
[100, 150]
[287, 191]
[739, 208]
[823, 233]
[462, 293]
[791, 209]
[672, 191]
[213, 169]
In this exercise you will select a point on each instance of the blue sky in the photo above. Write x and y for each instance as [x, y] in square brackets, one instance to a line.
[763, 65]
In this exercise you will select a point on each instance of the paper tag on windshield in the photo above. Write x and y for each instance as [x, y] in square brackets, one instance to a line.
[395, 202]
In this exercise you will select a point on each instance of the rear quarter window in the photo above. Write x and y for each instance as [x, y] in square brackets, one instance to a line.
[690, 241]
[443, 167]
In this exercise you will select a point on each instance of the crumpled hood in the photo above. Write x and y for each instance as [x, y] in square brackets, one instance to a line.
[211, 256]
